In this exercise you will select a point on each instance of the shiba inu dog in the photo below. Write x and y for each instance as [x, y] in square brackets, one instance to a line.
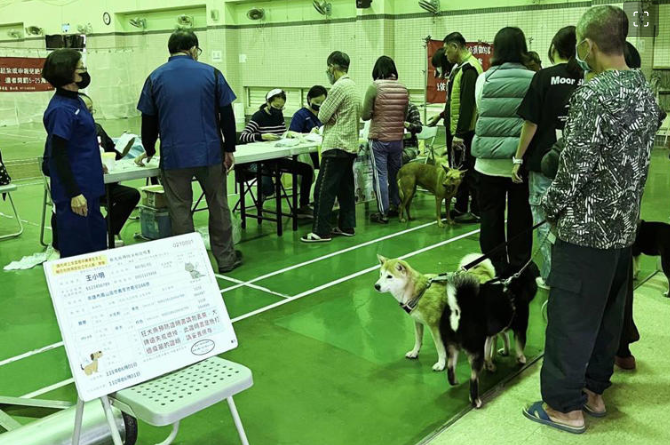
[438, 179]
[424, 301]
[480, 312]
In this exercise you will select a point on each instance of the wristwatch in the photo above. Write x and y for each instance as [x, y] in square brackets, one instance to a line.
[517, 161]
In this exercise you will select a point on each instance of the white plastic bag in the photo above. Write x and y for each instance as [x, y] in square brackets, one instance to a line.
[363, 175]
[237, 231]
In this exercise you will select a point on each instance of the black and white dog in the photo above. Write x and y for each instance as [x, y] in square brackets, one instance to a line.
[653, 239]
[478, 312]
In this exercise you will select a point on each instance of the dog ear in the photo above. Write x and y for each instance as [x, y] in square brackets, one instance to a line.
[462, 172]
[401, 268]
[382, 259]
[93, 356]
[446, 168]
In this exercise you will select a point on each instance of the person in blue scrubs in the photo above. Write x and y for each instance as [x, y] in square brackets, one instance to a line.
[74, 157]
[190, 105]
[306, 119]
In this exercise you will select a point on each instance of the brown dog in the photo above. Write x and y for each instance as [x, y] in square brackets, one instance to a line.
[438, 179]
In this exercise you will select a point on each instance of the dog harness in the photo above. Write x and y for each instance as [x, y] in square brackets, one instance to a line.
[410, 305]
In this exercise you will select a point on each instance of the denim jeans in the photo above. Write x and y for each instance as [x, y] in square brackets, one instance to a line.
[538, 185]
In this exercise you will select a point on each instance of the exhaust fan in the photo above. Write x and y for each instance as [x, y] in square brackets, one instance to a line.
[432, 6]
[34, 31]
[138, 22]
[256, 14]
[185, 21]
[323, 8]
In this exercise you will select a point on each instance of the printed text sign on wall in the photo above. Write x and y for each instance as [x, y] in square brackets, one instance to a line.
[131, 314]
[21, 74]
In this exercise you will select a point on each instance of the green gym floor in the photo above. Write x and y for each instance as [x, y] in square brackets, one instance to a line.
[326, 350]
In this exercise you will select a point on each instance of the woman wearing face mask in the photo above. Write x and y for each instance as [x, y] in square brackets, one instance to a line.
[306, 120]
[267, 124]
[385, 105]
[74, 157]
[544, 110]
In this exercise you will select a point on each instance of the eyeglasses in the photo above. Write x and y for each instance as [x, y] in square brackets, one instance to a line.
[199, 51]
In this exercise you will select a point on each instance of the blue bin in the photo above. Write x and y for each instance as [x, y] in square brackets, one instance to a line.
[155, 223]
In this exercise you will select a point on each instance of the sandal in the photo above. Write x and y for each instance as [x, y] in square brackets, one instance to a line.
[314, 238]
[593, 413]
[536, 413]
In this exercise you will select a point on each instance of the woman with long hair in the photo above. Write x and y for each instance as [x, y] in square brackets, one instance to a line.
[544, 111]
[498, 93]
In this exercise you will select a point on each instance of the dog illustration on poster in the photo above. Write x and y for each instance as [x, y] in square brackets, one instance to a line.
[92, 368]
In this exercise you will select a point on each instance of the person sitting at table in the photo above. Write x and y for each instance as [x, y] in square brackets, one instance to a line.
[306, 120]
[267, 124]
[123, 199]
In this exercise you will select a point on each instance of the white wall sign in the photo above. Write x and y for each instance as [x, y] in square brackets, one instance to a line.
[128, 315]
[217, 56]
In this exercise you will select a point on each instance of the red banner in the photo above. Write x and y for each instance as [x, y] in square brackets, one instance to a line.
[438, 85]
[20, 74]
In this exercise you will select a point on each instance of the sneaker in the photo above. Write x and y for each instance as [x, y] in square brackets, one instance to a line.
[541, 283]
[393, 212]
[343, 232]
[467, 218]
[379, 218]
[237, 263]
[627, 363]
[313, 238]
[305, 212]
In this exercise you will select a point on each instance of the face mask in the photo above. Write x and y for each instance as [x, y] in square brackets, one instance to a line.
[582, 62]
[331, 77]
[85, 81]
[315, 107]
[275, 112]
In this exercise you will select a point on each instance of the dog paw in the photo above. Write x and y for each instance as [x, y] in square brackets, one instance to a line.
[440, 224]
[503, 353]
[439, 366]
[490, 367]
[451, 222]
[403, 220]
[521, 359]
[477, 403]
[412, 355]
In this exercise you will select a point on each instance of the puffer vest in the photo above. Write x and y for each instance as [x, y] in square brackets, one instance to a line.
[499, 127]
[388, 117]
[455, 102]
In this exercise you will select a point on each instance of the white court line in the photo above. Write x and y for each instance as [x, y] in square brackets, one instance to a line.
[47, 389]
[349, 277]
[250, 285]
[30, 353]
[330, 255]
[25, 221]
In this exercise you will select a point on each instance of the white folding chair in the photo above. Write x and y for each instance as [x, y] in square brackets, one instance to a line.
[46, 203]
[664, 131]
[168, 399]
[428, 135]
[9, 189]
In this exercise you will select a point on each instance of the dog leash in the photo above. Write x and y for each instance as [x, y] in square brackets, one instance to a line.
[483, 258]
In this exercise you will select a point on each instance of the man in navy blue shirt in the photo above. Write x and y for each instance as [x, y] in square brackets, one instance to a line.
[190, 105]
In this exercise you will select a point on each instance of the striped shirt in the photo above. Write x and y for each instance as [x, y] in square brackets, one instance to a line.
[262, 123]
[340, 114]
[595, 198]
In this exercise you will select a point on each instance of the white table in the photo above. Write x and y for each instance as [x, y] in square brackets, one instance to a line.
[125, 170]
[260, 152]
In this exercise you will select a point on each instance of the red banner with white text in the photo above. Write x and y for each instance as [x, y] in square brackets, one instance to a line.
[437, 86]
[22, 74]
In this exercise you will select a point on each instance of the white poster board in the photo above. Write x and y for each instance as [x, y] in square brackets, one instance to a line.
[128, 315]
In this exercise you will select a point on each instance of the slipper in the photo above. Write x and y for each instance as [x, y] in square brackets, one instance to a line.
[536, 413]
[314, 238]
[591, 412]
[339, 232]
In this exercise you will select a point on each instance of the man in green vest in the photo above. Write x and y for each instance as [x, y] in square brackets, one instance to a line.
[461, 121]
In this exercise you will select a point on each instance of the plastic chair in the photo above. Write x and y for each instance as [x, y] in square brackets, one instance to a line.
[170, 398]
[9, 189]
[428, 135]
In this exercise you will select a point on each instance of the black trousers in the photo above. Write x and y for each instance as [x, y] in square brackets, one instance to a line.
[335, 180]
[494, 193]
[585, 315]
[124, 200]
[467, 191]
[305, 171]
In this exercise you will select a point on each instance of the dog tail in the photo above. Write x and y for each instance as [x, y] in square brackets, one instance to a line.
[484, 269]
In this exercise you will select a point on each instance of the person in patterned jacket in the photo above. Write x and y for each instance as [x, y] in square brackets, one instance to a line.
[593, 206]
